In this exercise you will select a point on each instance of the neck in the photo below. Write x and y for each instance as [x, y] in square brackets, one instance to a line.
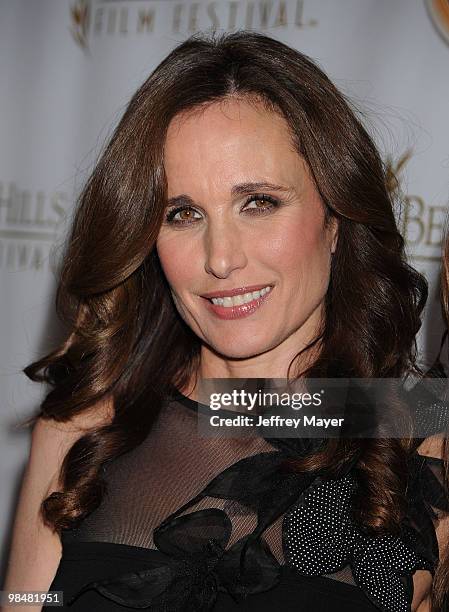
[269, 365]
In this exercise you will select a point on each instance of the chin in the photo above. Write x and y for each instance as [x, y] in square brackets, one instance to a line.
[240, 349]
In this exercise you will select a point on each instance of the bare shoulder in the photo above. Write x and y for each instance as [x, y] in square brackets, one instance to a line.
[51, 440]
[433, 446]
[96, 415]
[36, 547]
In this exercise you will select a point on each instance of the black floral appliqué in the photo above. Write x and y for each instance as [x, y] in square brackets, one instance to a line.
[193, 565]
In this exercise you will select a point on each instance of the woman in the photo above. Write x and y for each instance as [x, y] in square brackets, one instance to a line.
[237, 225]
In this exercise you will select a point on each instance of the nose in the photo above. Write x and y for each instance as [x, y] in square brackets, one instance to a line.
[225, 250]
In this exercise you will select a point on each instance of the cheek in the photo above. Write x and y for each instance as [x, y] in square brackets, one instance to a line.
[172, 259]
[177, 274]
[300, 250]
[176, 260]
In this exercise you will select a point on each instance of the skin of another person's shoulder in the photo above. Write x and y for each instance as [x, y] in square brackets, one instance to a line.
[35, 549]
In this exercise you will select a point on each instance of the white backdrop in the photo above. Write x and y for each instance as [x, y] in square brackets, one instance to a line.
[67, 70]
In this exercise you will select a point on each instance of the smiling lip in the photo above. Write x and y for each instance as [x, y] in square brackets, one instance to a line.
[239, 311]
[231, 292]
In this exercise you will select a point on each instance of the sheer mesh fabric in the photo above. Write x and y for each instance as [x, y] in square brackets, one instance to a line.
[168, 469]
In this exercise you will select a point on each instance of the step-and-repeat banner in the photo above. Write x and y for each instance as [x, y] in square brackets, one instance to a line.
[67, 71]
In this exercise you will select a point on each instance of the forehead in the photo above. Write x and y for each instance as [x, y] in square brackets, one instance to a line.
[231, 140]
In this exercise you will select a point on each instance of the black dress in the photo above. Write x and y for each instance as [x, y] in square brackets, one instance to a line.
[190, 523]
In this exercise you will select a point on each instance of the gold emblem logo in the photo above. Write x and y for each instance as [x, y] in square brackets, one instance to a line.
[80, 14]
[439, 12]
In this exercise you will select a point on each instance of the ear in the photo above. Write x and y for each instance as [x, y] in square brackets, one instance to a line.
[333, 233]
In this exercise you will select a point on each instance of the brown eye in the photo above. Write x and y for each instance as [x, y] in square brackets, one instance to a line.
[262, 203]
[187, 216]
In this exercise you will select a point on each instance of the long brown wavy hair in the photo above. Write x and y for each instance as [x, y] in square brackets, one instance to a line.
[125, 339]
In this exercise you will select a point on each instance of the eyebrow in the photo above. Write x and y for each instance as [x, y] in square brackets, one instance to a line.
[240, 189]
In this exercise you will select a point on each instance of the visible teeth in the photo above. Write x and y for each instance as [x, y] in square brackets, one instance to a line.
[238, 300]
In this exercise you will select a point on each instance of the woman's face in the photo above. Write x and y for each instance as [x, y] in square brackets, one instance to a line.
[243, 214]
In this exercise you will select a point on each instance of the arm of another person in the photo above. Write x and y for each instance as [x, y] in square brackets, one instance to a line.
[35, 549]
[431, 447]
